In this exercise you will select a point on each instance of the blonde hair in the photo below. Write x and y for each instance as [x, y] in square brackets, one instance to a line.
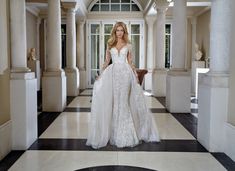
[113, 39]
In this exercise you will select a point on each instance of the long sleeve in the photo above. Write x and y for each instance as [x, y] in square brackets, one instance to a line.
[107, 59]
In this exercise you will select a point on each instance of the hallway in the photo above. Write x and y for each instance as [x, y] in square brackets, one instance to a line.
[61, 146]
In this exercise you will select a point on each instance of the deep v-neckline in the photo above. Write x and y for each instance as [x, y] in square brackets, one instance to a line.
[119, 50]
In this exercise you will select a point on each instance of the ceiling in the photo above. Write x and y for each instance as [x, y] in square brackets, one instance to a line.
[195, 7]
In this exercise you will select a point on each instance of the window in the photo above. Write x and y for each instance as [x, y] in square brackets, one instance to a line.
[114, 6]
[168, 46]
[63, 45]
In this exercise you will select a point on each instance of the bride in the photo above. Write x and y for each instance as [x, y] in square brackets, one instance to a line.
[119, 114]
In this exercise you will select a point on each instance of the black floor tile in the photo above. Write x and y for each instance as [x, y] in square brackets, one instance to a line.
[45, 119]
[77, 109]
[10, 159]
[70, 99]
[162, 100]
[80, 144]
[158, 110]
[114, 168]
[188, 121]
[228, 163]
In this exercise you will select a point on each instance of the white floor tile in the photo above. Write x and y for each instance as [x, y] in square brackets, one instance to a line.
[68, 125]
[73, 160]
[170, 128]
[171, 161]
[87, 92]
[75, 125]
[62, 160]
[81, 101]
[152, 102]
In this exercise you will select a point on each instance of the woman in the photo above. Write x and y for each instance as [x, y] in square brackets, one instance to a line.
[119, 114]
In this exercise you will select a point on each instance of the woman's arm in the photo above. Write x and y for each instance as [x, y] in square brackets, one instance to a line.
[107, 60]
[129, 59]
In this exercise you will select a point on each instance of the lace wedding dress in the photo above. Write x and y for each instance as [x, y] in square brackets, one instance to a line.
[119, 114]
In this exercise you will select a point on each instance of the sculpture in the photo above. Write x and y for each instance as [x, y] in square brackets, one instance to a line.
[198, 53]
[32, 55]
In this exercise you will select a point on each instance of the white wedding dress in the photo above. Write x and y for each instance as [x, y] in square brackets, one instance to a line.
[119, 114]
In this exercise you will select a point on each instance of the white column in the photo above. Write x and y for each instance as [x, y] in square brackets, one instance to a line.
[18, 36]
[23, 85]
[38, 38]
[194, 63]
[71, 69]
[161, 22]
[54, 79]
[194, 34]
[179, 34]
[80, 52]
[54, 36]
[213, 86]
[150, 60]
[150, 50]
[159, 72]
[178, 81]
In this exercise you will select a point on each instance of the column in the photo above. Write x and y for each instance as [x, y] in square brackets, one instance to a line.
[54, 79]
[23, 85]
[80, 52]
[178, 81]
[213, 86]
[159, 72]
[71, 70]
[150, 50]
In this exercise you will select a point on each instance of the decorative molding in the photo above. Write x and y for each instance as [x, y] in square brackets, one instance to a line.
[33, 10]
[202, 11]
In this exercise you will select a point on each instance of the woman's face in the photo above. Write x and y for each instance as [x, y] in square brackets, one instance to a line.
[119, 32]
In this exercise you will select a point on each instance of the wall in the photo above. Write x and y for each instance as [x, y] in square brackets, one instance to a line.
[31, 31]
[189, 44]
[5, 123]
[231, 106]
[4, 63]
[203, 33]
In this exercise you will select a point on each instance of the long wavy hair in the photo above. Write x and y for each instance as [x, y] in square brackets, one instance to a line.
[113, 38]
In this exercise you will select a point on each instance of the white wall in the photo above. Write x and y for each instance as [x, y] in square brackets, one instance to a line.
[31, 31]
[203, 33]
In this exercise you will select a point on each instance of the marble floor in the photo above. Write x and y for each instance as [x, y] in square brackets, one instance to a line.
[62, 138]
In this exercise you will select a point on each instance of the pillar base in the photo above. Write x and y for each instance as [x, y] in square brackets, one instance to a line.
[213, 109]
[54, 91]
[72, 81]
[159, 82]
[23, 103]
[178, 91]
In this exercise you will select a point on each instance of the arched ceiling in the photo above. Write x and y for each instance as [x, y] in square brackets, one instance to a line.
[143, 3]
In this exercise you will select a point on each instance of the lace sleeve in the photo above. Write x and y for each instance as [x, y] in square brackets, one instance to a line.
[130, 60]
[107, 59]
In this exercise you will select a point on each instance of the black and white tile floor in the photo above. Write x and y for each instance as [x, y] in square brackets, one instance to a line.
[62, 137]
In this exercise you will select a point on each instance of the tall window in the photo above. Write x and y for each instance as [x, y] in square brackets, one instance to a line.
[63, 45]
[114, 5]
[168, 46]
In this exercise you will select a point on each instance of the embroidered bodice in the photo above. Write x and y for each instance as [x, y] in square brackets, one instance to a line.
[121, 55]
